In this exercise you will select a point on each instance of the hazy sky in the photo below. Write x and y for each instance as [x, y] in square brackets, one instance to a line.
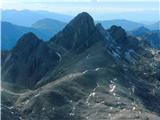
[136, 10]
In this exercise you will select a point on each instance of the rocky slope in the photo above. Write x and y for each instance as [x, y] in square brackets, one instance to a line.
[153, 39]
[28, 61]
[91, 74]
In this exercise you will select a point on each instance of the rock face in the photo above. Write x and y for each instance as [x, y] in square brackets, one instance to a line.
[153, 39]
[28, 61]
[83, 73]
[78, 35]
[118, 34]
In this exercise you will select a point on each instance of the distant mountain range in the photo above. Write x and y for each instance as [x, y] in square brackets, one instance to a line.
[27, 17]
[84, 72]
[151, 37]
[140, 31]
[46, 24]
[44, 29]
[128, 25]
[154, 26]
[11, 33]
[49, 26]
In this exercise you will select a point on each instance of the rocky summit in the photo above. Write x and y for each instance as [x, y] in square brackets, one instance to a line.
[83, 73]
[28, 61]
[78, 35]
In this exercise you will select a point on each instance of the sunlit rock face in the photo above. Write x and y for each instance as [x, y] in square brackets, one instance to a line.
[97, 74]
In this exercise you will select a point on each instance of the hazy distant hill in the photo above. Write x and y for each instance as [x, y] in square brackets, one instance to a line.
[27, 17]
[129, 25]
[154, 26]
[126, 24]
[49, 26]
[44, 29]
[152, 37]
[140, 31]
[11, 33]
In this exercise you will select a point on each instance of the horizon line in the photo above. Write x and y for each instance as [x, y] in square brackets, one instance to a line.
[3, 9]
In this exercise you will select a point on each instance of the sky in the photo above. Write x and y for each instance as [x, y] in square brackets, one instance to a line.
[135, 10]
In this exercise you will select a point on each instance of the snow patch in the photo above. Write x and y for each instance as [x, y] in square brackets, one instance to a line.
[115, 79]
[27, 101]
[112, 88]
[92, 94]
[133, 108]
[97, 69]
[37, 95]
[10, 107]
[85, 71]
[59, 55]
[43, 108]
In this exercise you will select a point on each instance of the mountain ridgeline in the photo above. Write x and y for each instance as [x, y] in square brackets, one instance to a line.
[84, 72]
[44, 29]
[46, 24]
[28, 17]
[152, 38]
[27, 59]
[78, 35]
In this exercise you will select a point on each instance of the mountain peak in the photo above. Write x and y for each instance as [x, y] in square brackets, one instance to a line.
[118, 33]
[83, 20]
[116, 28]
[27, 42]
[84, 15]
[78, 34]
[143, 29]
[30, 33]
[140, 31]
[29, 38]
